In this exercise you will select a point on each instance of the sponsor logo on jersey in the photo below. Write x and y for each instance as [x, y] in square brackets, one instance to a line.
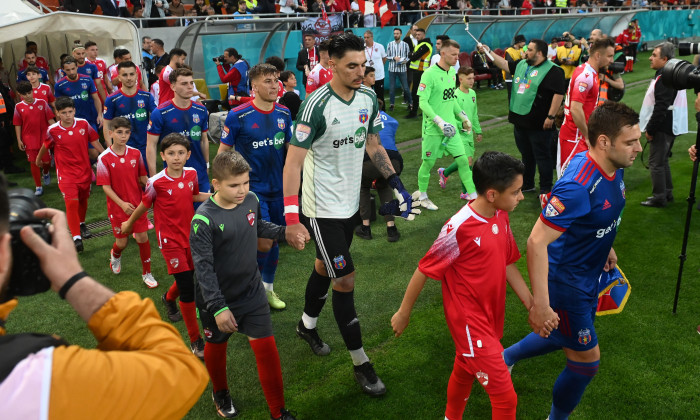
[303, 132]
[251, 218]
[582, 86]
[195, 227]
[339, 262]
[604, 231]
[208, 333]
[141, 114]
[558, 205]
[278, 141]
[584, 336]
[84, 95]
[427, 154]
[280, 123]
[364, 115]
[196, 133]
[606, 205]
[221, 226]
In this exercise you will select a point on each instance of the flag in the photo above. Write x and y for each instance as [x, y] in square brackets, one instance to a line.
[613, 291]
[324, 16]
[384, 12]
[366, 7]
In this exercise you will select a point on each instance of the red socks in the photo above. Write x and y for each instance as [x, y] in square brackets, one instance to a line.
[458, 389]
[145, 254]
[173, 293]
[36, 174]
[215, 360]
[72, 208]
[116, 251]
[189, 315]
[269, 372]
[83, 205]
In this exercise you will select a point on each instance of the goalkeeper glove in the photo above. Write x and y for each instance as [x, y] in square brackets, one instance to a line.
[447, 129]
[404, 205]
[465, 122]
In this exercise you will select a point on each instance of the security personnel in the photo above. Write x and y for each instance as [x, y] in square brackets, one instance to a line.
[420, 61]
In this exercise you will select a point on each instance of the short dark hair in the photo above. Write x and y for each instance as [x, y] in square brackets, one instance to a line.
[32, 69]
[227, 164]
[540, 46]
[450, 43]
[24, 87]
[495, 170]
[324, 45]
[601, 44]
[609, 119]
[259, 70]
[442, 38]
[90, 44]
[120, 52]
[144, 38]
[182, 71]
[398, 29]
[125, 64]
[284, 76]
[62, 57]
[174, 139]
[69, 60]
[309, 35]
[420, 30]
[368, 70]
[29, 52]
[177, 52]
[341, 44]
[63, 102]
[30, 44]
[158, 42]
[466, 70]
[232, 52]
[276, 61]
[119, 122]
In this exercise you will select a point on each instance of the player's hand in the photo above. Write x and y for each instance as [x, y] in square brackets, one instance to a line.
[399, 322]
[448, 130]
[126, 228]
[547, 124]
[21, 145]
[226, 322]
[611, 261]
[99, 120]
[479, 137]
[297, 236]
[693, 153]
[128, 208]
[543, 320]
[404, 205]
[38, 162]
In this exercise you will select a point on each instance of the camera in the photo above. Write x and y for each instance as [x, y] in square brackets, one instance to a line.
[616, 67]
[688, 48]
[220, 59]
[680, 74]
[26, 278]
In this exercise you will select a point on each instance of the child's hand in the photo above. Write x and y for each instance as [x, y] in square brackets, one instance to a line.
[38, 161]
[126, 228]
[21, 145]
[128, 208]
[226, 322]
[399, 322]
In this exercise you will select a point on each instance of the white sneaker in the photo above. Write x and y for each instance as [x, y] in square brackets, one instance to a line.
[46, 178]
[39, 191]
[428, 204]
[472, 196]
[115, 263]
[151, 283]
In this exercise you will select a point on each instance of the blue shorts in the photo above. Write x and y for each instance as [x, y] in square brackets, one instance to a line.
[576, 330]
[273, 211]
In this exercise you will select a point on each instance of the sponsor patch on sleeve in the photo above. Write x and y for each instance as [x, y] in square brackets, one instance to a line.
[302, 132]
[557, 204]
[421, 87]
[582, 86]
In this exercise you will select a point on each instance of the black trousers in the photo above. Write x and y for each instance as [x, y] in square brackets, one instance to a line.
[415, 81]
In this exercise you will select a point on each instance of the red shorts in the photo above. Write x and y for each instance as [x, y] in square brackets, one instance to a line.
[75, 191]
[32, 154]
[178, 260]
[117, 218]
[490, 370]
[567, 149]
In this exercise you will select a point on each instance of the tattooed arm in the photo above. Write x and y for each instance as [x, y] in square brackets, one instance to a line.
[377, 153]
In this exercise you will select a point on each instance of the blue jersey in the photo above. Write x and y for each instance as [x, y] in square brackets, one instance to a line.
[388, 134]
[586, 205]
[22, 75]
[191, 122]
[260, 137]
[89, 70]
[137, 109]
[80, 91]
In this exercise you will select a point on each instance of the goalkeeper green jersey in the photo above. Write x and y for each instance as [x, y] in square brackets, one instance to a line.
[437, 97]
[467, 103]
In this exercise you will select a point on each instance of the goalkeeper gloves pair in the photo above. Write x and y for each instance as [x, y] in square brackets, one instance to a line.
[404, 205]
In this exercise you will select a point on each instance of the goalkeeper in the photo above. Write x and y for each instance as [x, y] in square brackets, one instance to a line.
[440, 115]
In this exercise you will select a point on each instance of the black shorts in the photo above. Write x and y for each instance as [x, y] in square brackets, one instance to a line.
[255, 322]
[333, 238]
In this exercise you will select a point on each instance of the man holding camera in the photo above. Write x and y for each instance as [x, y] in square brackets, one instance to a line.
[141, 369]
[658, 119]
[609, 77]
[236, 77]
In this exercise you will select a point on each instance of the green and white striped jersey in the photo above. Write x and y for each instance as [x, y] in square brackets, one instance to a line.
[334, 132]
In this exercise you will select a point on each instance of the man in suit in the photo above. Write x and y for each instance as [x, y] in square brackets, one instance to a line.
[308, 56]
[109, 7]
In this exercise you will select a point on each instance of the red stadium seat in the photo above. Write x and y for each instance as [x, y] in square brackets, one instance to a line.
[479, 77]
[465, 60]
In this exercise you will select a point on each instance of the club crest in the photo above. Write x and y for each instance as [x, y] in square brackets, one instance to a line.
[251, 218]
[280, 124]
[339, 262]
[483, 378]
[141, 103]
[364, 115]
[133, 163]
[195, 118]
[584, 336]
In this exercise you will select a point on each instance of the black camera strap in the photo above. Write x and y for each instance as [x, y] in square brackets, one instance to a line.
[16, 347]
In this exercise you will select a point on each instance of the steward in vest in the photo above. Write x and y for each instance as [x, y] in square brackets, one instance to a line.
[419, 62]
[237, 76]
[537, 92]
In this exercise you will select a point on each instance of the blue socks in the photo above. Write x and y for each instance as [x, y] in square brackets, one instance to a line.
[569, 387]
[530, 346]
[269, 266]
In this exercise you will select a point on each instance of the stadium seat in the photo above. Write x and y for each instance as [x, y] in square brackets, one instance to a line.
[465, 60]
[499, 52]
[201, 86]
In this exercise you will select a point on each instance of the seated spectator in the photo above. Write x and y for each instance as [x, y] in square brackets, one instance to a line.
[155, 9]
[201, 9]
[483, 65]
[176, 8]
[291, 6]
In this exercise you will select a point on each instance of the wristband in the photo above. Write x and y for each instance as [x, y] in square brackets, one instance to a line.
[291, 210]
[550, 117]
[71, 281]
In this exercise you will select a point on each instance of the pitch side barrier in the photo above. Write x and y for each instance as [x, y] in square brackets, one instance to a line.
[257, 39]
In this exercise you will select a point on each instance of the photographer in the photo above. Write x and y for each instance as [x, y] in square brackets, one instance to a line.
[237, 76]
[141, 369]
[568, 55]
[609, 76]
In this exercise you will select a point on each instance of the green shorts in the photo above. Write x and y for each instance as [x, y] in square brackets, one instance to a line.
[468, 141]
[433, 147]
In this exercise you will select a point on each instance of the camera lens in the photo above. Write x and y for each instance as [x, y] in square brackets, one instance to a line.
[680, 75]
[688, 48]
[23, 203]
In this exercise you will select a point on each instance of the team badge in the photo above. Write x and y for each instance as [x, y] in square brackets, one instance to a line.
[195, 118]
[474, 99]
[174, 262]
[84, 85]
[421, 87]
[141, 103]
[302, 132]
[364, 115]
[517, 80]
[584, 336]
[534, 73]
[427, 154]
[82, 131]
[251, 218]
[280, 123]
[483, 378]
[181, 185]
[41, 107]
[623, 189]
[191, 185]
[70, 133]
[208, 333]
[582, 86]
[122, 160]
[494, 229]
[339, 262]
[557, 204]
[133, 163]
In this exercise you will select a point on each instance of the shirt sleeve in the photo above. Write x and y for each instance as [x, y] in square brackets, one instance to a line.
[149, 194]
[48, 143]
[142, 166]
[91, 87]
[16, 117]
[202, 248]
[569, 201]
[425, 89]
[441, 254]
[376, 125]
[103, 175]
[205, 121]
[155, 125]
[152, 105]
[310, 125]
[512, 253]
[92, 134]
[581, 86]
[231, 129]
[108, 113]
[151, 372]
[49, 96]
